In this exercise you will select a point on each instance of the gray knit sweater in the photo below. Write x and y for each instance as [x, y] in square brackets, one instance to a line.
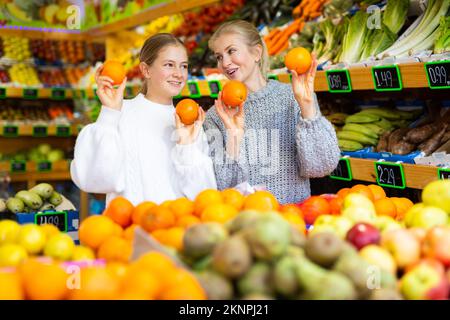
[280, 149]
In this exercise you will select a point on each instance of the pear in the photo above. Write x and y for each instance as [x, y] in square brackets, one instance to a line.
[285, 277]
[324, 248]
[200, 239]
[232, 257]
[257, 280]
[216, 286]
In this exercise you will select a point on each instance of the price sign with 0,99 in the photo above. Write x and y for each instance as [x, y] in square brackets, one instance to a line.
[438, 74]
[58, 219]
[390, 175]
[343, 171]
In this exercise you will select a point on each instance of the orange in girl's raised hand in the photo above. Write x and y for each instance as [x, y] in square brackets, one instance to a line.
[114, 70]
[298, 59]
[187, 110]
[234, 93]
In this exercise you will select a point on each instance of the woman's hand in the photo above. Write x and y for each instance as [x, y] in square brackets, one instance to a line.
[109, 96]
[303, 87]
[188, 134]
[234, 121]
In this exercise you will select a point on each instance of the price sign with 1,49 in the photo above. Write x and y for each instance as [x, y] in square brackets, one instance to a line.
[390, 174]
[387, 78]
[343, 171]
[338, 81]
[438, 74]
[443, 173]
[194, 90]
[57, 218]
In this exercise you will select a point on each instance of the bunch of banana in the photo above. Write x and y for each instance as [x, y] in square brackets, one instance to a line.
[364, 128]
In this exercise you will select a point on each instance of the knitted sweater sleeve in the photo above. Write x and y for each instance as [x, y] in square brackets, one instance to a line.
[317, 147]
[229, 172]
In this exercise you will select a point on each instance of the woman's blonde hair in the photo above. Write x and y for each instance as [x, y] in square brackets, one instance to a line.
[151, 48]
[251, 36]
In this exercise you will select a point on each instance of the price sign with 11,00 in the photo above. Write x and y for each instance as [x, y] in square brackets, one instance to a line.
[390, 174]
[438, 74]
[343, 171]
[338, 81]
[443, 174]
[59, 219]
[387, 78]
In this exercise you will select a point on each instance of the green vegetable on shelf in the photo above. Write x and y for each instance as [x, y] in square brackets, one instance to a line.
[442, 43]
[354, 38]
[377, 41]
[394, 16]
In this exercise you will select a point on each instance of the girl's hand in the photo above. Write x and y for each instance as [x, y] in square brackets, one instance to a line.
[188, 134]
[109, 96]
[234, 121]
[303, 87]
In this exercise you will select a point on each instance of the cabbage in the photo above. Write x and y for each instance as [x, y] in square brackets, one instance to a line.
[394, 16]
[354, 38]
[442, 43]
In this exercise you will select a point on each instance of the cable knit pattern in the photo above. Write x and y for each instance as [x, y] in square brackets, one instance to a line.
[280, 151]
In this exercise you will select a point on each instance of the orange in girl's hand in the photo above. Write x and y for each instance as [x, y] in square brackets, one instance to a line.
[187, 110]
[298, 59]
[114, 70]
[234, 93]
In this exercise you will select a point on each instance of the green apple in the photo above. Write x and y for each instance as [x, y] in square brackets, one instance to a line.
[325, 219]
[342, 225]
[360, 214]
[386, 223]
[424, 283]
[380, 257]
[428, 217]
[437, 194]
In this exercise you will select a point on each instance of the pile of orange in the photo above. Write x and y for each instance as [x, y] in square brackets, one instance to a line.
[387, 206]
[152, 276]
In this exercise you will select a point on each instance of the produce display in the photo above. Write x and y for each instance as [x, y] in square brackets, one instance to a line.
[42, 152]
[31, 114]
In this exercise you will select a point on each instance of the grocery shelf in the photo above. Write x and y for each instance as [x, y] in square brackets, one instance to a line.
[416, 176]
[34, 130]
[58, 168]
[169, 8]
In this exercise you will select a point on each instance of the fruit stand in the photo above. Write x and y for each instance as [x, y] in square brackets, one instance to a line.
[373, 228]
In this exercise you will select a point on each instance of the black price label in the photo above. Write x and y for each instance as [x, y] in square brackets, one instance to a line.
[44, 166]
[58, 93]
[390, 175]
[128, 92]
[10, 131]
[443, 174]
[194, 90]
[338, 81]
[57, 218]
[343, 171]
[29, 93]
[387, 78]
[18, 166]
[273, 77]
[40, 131]
[214, 88]
[438, 74]
[2, 93]
[63, 131]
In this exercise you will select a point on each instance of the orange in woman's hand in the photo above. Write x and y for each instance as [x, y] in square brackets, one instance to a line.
[187, 110]
[234, 93]
[114, 70]
[298, 59]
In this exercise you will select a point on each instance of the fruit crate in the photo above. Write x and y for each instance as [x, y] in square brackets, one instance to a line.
[367, 153]
[66, 220]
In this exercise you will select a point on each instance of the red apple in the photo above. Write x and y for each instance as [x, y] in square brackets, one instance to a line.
[424, 283]
[403, 245]
[363, 234]
[437, 244]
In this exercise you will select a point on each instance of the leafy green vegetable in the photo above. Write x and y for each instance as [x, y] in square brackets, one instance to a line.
[377, 41]
[394, 16]
[442, 43]
[355, 35]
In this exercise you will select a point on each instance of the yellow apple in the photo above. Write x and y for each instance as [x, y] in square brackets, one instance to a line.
[380, 257]
[359, 201]
[437, 194]
[428, 217]
[9, 231]
[360, 214]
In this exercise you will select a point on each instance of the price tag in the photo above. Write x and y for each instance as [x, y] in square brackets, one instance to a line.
[63, 131]
[194, 90]
[57, 218]
[10, 131]
[29, 93]
[58, 93]
[443, 174]
[44, 166]
[2, 93]
[387, 78]
[338, 81]
[438, 74]
[343, 171]
[128, 92]
[18, 166]
[390, 175]
[273, 77]
[214, 88]
[40, 131]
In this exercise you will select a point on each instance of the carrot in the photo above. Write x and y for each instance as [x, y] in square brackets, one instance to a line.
[279, 45]
[284, 47]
